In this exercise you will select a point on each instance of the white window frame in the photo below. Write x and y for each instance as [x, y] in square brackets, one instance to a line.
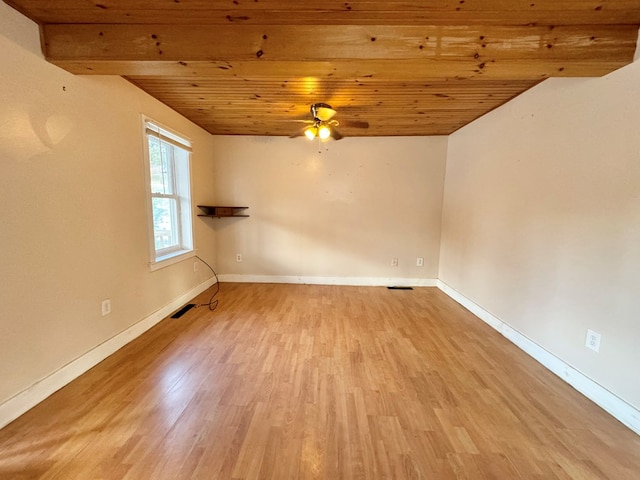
[180, 166]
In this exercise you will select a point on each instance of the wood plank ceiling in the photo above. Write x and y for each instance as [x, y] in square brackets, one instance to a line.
[407, 67]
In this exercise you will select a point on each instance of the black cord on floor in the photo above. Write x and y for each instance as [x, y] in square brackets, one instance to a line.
[212, 303]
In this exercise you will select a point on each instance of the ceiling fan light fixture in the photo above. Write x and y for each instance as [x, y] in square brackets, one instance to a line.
[323, 125]
[311, 132]
[324, 132]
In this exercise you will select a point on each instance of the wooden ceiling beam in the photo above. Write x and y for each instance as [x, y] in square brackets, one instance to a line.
[335, 12]
[329, 42]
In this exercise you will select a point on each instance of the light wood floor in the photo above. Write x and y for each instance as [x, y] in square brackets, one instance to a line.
[304, 382]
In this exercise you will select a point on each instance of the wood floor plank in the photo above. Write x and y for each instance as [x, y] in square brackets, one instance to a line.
[319, 382]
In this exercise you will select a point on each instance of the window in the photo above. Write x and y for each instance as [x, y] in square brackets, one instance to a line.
[169, 194]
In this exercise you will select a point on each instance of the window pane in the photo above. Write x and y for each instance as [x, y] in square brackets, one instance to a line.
[160, 163]
[165, 223]
[170, 222]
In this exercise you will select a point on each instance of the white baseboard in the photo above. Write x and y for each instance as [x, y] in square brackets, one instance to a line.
[36, 393]
[346, 281]
[608, 401]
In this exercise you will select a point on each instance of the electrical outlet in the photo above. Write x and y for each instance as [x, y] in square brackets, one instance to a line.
[420, 262]
[394, 262]
[238, 257]
[106, 307]
[593, 340]
[195, 266]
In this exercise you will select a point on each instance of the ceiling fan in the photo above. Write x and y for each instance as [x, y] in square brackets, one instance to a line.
[323, 125]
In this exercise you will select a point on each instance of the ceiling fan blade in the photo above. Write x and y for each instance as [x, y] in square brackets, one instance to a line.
[300, 133]
[336, 135]
[355, 123]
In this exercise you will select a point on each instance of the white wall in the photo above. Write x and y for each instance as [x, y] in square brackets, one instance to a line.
[332, 210]
[73, 221]
[541, 221]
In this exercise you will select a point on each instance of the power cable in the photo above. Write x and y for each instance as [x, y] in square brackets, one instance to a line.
[212, 303]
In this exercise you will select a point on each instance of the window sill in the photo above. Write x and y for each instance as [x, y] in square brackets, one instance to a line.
[171, 259]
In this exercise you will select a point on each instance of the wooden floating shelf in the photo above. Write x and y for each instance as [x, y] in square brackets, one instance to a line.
[217, 211]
